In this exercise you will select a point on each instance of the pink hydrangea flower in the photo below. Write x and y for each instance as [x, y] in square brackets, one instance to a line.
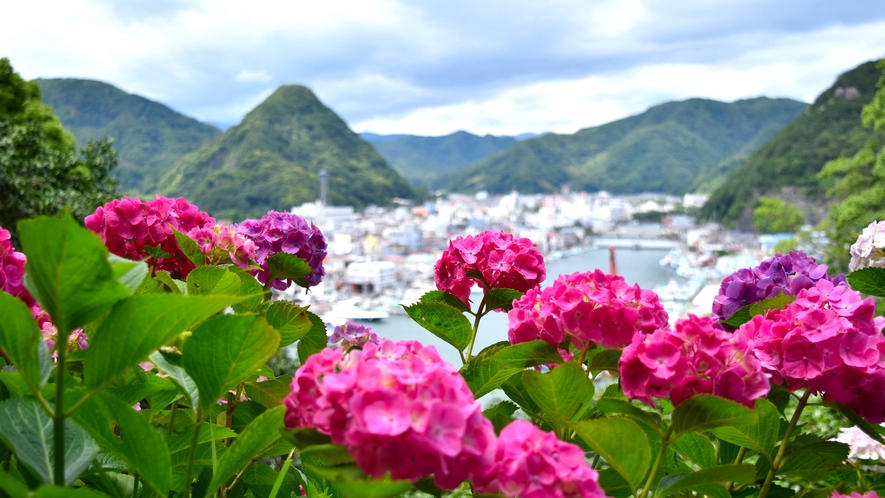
[398, 408]
[12, 269]
[504, 261]
[531, 463]
[279, 232]
[591, 307]
[855, 494]
[695, 357]
[226, 240]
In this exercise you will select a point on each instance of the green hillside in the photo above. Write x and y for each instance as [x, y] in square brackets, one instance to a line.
[427, 161]
[149, 136]
[828, 129]
[670, 148]
[271, 160]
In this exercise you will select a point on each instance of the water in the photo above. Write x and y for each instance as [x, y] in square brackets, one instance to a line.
[640, 266]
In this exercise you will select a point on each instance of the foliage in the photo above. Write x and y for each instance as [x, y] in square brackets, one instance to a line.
[665, 149]
[272, 160]
[828, 129]
[148, 136]
[773, 215]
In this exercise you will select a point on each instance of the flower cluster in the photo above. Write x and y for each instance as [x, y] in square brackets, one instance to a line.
[827, 340]
[279, 232]
[398, 408]
[224, 240]
[782, 273]
[869, 494]
[353, 335]
[504, 261]
[132, 229]
[861, 446]
[591, 307]
[12, 269]
[531, 463]
[869, 250]
[696, 356]
[76, 339]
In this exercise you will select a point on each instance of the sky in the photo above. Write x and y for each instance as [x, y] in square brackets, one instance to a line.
[431, 67]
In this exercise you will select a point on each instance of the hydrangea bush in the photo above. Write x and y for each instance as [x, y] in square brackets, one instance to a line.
[162, 387]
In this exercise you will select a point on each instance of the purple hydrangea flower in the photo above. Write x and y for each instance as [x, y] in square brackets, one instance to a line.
[279, 232]
[353, 335]
[788, 273]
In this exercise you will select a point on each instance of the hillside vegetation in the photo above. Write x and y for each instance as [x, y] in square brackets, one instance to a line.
[272, 159]
[830, 128]
[671, 148]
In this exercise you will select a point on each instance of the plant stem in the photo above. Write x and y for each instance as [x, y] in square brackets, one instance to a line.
[738, 460]
[584, 351]
[171, 428]
[134, 485]
[479, 314]
[58, 418]
[665, 440]
[192, 454]
[281, 475]
[778, 460]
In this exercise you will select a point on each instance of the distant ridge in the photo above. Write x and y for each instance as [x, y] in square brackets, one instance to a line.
[148, 136]
[271, 160]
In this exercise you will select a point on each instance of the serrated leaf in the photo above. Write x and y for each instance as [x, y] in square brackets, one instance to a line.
[501, 298]
[779, 301]
[516, 391]
[443, 321]
[607, 359]
[438, 296]
[315, 340]
[290, 320]
[740, 317]
[353, 483]
[156, 252]
[182, 441]
[69, 271]
[21, 341]
[172, 366]
[695, 448]
[761, 436]
[673, 484]
[561, 393]
[29, 430]
[138, 326]
[249, 286]
[285, 265]
[269, 393]
[175, 286]
[815, 460]
[255, 438]
[622, 444]
[212, 280]
[501, 414]
[614, 405]
[226, 350]
[705, 411]
[870, 281]
[489, 369]
[190, 248]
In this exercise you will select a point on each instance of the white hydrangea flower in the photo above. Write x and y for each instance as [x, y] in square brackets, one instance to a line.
[869, 250]
[862, 447]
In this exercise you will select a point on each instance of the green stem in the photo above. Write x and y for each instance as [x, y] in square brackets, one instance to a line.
[59, 417]
[778, 460]
[283, 472]
[135, 486]
[584, 352]
[192, 454]
[740, 458]
[665, 440]
[171, 428]
[479, 314]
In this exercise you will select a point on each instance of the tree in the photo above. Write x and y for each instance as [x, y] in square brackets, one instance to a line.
[773, 215]
[858, 184]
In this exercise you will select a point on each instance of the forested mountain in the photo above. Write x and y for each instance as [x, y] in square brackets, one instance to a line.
[148, 136]
[427, 161]
[829, 129]
[272, 159]
[670, 148]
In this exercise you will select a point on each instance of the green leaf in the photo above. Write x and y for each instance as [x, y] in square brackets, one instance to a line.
[761, 436]
[673, 484]
[127, 272]
[212, 280]
[138, 326]
[182, 441]
[190, 248]
[870, 281]
[171, 364]
[501, 414]
[614, 405]
[285, 265]
[779, 301]
[705, 411]
[443, 321]
[258, 436]
[614, 484]
[315, 340]
[815, 460]
[290, 320]
[21, 341]
[500, 298]
[696, 448]
[438, 296]
[249, 286]
[353, 483]
[607, 359]
[12, 486]
[69, 270]
[175, 286]
[269, 393]
[622, 444]
[516, 391]
[134, 441]
[740, 317]
[561, 393]
[261, 478]
[59, 492]
[156, 252]
[226, 350]
[495, 364]
[854, 418]
[29, 430]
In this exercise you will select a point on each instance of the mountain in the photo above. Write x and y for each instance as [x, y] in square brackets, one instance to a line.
[148, 136]
[271, 160]
[665, 149]
[427, 161]
[787, 164]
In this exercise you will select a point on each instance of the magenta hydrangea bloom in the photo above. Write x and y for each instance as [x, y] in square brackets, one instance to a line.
[279, 232]
[353, 335]
[227, 241]
[398, 408]
[591, 307]
[788, 273]
[695, 357]
[12, 269]
[827, 340]
[503, 260]
[855, 494]
[128, 226]
[531, 463]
